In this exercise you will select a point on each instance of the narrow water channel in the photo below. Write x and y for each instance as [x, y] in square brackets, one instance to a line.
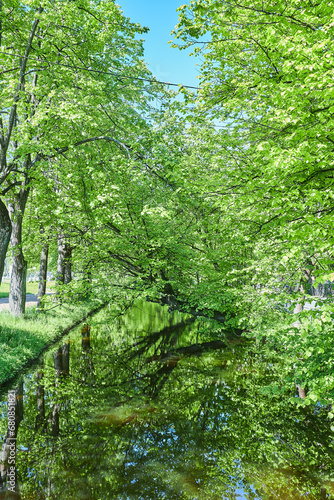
[150, 406]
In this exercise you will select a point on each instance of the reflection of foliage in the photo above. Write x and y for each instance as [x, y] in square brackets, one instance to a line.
[208, 431]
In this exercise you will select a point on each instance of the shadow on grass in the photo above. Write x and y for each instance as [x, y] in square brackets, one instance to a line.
[17, 346]
[23, 339]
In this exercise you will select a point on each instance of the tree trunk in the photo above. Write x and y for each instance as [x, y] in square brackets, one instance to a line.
[323, 494]
[62, 366]
[40, 393]
[17, 291]
[68, 264]
[42, 275]
[299, 308]
[60, 277]
[8, 474]
[87, 280]
[5, 232]
[301, 391]
[85, 339]
[64, 265]
[66, 359]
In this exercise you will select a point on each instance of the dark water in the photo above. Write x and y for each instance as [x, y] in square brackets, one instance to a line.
[141, 408]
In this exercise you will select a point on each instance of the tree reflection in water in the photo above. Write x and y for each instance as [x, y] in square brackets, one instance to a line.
[160, 411]
[9, 487]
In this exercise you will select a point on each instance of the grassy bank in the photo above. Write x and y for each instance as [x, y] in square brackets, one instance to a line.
[23, 339]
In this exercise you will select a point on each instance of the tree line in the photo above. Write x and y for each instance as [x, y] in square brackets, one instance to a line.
[213, 205]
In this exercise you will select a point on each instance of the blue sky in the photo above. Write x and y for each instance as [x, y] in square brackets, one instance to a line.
[167, 64]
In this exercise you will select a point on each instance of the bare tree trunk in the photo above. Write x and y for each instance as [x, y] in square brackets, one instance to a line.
[87, 279]
[5, 232]
[85, 340]
[17, 291]
[64, 265]
[323, 494]
[299, 307]
[66, 359]
[68, 264]
[43, 268]
[60, 277]
[301, 391]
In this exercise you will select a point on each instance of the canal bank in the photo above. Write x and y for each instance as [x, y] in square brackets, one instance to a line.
[23, 339]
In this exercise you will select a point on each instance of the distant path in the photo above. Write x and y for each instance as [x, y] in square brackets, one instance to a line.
[31, 300]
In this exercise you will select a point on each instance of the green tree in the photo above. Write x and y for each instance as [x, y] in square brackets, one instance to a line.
[267, 78]
[71, 78]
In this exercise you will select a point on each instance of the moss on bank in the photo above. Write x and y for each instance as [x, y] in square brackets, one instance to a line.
[22, 339]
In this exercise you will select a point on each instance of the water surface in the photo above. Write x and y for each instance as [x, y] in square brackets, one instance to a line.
[150, 406]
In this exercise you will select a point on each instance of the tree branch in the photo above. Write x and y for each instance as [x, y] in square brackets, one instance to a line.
[20, 83]
[178, 305]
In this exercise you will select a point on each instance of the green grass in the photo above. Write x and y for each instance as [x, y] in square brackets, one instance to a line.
[31, 288]
[4, 290]
[23, 338]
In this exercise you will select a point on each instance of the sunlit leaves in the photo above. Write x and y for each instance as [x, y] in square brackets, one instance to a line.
[267, 76]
